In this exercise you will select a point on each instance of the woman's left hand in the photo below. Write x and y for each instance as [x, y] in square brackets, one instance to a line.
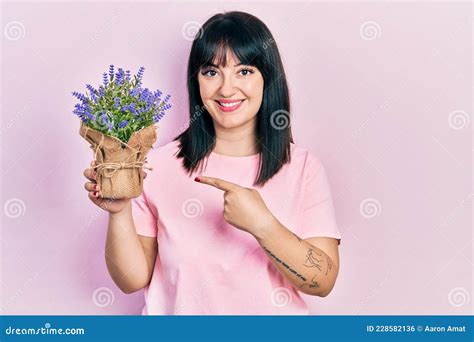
[244, 208]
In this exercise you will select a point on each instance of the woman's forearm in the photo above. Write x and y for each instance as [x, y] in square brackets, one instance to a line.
[124, 254]
[307, 267]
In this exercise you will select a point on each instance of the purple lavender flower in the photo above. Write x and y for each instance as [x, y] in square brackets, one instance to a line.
[140, 75]
[130, 108]
[123, 124]
[119, 106]
[79, 111]
[80, 96]
[89, 114]
[158, 117]
[135, 92]
[145, 94]
[80, 114]
[119, 76]
[140, 72]
[91, 89]
[105, 79]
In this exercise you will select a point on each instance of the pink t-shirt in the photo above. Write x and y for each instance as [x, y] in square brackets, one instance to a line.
[204, 265]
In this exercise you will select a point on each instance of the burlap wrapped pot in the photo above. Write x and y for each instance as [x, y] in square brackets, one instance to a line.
[118, 164]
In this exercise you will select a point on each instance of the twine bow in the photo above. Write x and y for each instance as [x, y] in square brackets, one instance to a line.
[109, 169]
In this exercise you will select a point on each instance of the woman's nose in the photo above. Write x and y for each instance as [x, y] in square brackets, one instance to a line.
[227, 88]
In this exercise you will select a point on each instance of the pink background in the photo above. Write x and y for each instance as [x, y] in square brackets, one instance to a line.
[381, 93]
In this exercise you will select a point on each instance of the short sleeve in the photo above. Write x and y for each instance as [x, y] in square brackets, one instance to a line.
[318, 217]
[144, 216]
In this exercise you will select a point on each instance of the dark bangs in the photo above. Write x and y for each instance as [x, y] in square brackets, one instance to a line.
[217, 41]
[251, 42]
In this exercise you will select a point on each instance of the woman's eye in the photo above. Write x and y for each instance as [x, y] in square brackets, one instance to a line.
[246, 72]
[212, 73]
[206, 73]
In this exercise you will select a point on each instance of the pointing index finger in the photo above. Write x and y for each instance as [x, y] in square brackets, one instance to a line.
[218, 183]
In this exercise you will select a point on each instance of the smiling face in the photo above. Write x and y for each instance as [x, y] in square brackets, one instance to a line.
[232, 94]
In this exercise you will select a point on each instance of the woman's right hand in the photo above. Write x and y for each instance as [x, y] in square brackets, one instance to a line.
[113, 206]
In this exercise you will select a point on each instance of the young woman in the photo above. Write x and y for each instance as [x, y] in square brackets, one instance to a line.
[235, 218]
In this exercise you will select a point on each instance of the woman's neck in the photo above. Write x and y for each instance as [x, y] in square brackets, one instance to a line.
[236, 142]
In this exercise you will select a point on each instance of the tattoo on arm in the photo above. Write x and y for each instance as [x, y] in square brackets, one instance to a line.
[329, 265]
[314, 283]
[313, 261]
[285, 265]
[314, 258]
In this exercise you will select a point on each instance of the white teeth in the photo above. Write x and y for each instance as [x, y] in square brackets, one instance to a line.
[229, 104]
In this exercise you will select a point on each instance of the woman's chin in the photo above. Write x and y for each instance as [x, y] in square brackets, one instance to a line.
[229, 122]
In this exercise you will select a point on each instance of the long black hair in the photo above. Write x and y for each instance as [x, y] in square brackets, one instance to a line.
[253, 44]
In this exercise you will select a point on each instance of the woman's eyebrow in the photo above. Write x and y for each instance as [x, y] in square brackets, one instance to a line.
[216, 66]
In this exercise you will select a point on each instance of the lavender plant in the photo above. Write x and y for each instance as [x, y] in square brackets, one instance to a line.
[120, 106]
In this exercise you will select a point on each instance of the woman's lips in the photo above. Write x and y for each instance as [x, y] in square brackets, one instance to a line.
[230, 107]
